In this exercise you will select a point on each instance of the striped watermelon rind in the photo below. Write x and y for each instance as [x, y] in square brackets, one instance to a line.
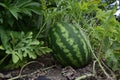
[70, 44]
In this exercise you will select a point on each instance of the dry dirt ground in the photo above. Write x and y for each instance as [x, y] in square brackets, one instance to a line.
[46, 68]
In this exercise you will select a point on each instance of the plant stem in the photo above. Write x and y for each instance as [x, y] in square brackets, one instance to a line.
[108, 76]
[114, 76]
[1, 61]
[40, 30]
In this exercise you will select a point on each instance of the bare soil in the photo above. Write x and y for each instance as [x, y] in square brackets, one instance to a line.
[46, 68]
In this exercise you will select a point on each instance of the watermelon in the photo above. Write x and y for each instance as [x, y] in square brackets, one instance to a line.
[69, 44]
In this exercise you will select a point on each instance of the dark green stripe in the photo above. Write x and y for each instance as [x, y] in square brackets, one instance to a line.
[76, 42]
[58, 30]
[87, 44]
[72, 29]
[55, 47]
[57, 50]
[81, 42]
[61, 46]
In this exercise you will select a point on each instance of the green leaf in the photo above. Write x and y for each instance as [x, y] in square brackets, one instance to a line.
[24, 54]
[112, 60]
[29, 35]
[35, 42]
[19, 54]
[8, 51]
[15, 58]
[11, 20]
[106, 43]
[32, 55]
[2, 48]
[116, 47]
[22, 3]
[45, 49]
[1, 20]
[3, 5]
[4, 38]
[26, 11]
[14, 11]
[36, 10]
[33, 4]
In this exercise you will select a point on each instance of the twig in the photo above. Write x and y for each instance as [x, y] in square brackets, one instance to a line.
[114, 76]
[21, 76]
[88, 75]
[108, 76]
[94, 71]
[85, 76]
[28, 64]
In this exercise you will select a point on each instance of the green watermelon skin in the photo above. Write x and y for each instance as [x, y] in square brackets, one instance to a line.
[69, 44]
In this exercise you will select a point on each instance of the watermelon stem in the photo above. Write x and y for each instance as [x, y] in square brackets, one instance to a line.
[40, 30]
[108, 76]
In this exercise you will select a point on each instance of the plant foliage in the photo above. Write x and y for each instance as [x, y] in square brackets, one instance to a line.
[107, 38]
[22, 22]
[96, 18]
[18, 23]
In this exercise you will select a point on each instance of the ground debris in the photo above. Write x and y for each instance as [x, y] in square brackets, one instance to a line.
[57, 72]
[69, 72]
